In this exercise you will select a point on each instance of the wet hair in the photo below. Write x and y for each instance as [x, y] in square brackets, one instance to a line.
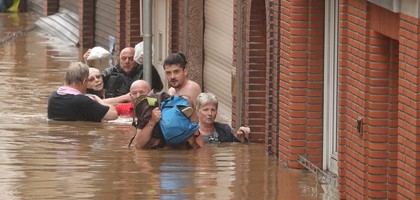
[76, 73]
[205, 98]
[175, 59]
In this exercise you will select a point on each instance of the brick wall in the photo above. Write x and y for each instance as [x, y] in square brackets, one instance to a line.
[273, 80]
[352, 89]
[408, 109]
[176, 11]
[377, 86]
[239, 46]
[132, 23]
[86, 26]
[121, 25]
[301, 80]
[255, 71]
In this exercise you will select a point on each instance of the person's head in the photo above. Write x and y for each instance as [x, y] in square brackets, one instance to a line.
[127, 62]
[138, 88]
[175, 71]
[206, 106]
[95, 81]
[77, 75]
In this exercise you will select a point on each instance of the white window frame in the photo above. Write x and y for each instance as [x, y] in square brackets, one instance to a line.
[330, 120]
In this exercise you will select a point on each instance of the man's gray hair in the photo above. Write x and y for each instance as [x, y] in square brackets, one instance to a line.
[76, 73]
[205, 98]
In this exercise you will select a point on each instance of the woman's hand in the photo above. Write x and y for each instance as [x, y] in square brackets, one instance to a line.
[243, 134]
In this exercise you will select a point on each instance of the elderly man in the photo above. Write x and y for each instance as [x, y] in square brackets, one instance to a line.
[118, 79]
[138, 88]
[69, 103]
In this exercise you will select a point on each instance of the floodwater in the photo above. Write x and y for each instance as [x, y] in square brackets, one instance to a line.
[42, 159]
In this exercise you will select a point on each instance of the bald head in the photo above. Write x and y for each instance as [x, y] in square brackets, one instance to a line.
[139, 87]
[129, 50]
[127, 63]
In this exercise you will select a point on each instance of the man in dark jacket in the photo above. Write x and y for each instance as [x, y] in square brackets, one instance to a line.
[118, 79]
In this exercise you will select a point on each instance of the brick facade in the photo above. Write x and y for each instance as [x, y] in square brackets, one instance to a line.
[379, 56]
[121, 25]
[408, 164]
[297, 43]
[132, 23]
[86, 26]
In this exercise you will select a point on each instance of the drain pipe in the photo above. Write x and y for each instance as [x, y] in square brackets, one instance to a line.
[147, 41]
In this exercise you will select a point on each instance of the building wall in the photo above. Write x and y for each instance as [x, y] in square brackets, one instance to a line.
[297, 32]
[186, 34]
[378, 59]
[86, 26]
[132, 24]
[408, 164]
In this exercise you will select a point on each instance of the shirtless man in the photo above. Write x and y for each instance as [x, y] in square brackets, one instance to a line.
[176, 74]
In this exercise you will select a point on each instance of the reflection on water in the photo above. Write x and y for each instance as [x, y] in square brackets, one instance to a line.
[42, 159]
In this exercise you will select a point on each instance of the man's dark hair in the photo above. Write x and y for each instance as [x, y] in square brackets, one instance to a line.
[175, 59]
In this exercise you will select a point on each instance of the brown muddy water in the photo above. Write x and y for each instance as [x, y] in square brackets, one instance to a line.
[42, 159]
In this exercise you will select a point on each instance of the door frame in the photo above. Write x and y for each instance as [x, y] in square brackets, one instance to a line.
[330, 119]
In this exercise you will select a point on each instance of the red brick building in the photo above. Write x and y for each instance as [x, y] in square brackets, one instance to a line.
[333, 83]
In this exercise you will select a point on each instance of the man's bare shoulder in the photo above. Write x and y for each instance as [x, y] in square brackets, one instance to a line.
[193, 85]
[192, 90]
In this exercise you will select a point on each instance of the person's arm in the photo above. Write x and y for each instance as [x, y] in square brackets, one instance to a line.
[85, 56]
[144, 135]
[120, 99]
[112, 112]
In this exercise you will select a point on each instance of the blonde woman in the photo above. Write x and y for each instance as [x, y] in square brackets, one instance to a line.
[215, 132]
